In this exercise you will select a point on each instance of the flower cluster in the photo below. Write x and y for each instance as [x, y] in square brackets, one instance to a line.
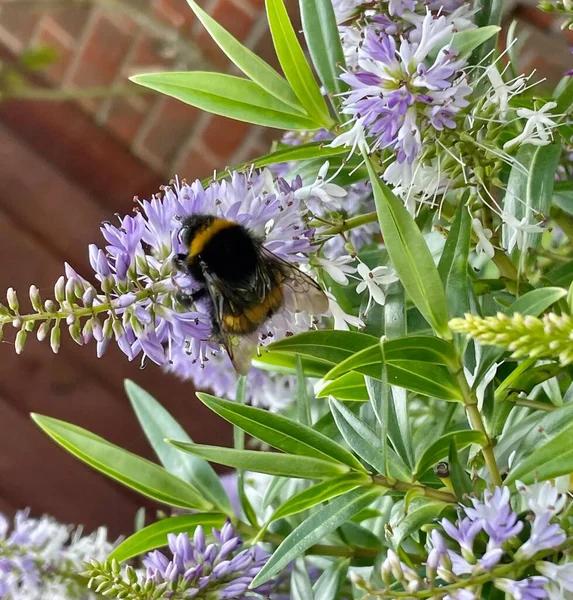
[195, 569]
[547, 337]
[490, 543]
[39, 558]
[403, 88]
[134, 301]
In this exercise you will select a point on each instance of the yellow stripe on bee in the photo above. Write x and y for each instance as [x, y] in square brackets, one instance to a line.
[255, 315]
[203, 236]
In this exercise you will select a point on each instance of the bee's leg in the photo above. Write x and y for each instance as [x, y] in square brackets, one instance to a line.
[180, 263]
[187, 300]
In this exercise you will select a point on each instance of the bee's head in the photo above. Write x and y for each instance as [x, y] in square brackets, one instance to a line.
[191, 225]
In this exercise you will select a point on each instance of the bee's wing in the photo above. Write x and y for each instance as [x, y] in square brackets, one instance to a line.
[301, 292]
[240, 349]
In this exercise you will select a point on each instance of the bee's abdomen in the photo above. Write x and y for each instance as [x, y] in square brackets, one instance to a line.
[253, 316]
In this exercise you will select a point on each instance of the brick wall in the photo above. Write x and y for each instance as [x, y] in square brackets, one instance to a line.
[102, 43]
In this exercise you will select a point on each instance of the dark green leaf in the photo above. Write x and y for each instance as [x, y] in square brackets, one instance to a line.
[157, 425]
[155, 535]
[441, 447]
[323, 40]
[423, 512]
[294, 64]
[325, 345]
[281, 362]
[327, 586]
[280, 432]
[547, 448]
[316, 528]
[453, 265]
[228, 96]
[273, 463]
[246, 60]
[131, 470]
[367, 444]
[410, 256]
[321, 492]
[467, 41]
[537, 301]
[460, 479]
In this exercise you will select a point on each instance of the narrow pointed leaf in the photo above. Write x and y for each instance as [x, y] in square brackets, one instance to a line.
[273, 463]
[328, 585]
[323, 40]
[228, 96]
[250, 64]
[321, 492]
[367, 444]
[453, 265]
[423, 513]
[294, 64]
[537, 301]
[316, 528]
[131, 470]
[155, 535]
[157, 425]
[300, 585]
[280, 432]
[410, 256]
[441, 447]
[350, 386]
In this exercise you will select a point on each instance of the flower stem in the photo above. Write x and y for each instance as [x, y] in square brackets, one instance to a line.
[474, 417]
[402, 486]
[534, 404]
[352, 223]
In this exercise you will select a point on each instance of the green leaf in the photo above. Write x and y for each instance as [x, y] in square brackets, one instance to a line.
[356, 536]
[537, 301]
[453, 265]
[155, 535]
[328, 585]
[280, 362]
[440, 448]
[228, 96]
[410, 256]
[321, 492]
[424, 512]
[280, 432]
[294, 64]
[131, 470]
[351, 387]
[564, 96]
[325, 345]
[300, 585]
[157, 425]
[323, 40]
[273, 463]
[367, 444]
[467, 41]
[460, 479]
[548, 449]
[247, 61]
[316, 528]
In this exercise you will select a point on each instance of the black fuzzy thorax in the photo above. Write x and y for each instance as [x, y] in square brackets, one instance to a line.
[232, 254]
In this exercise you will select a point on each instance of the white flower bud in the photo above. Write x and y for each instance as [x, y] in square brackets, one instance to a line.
[35, 298]
[75, 333]
[43, 330]
[60, 289]
[20, 341]
[12, 299]
[50, 306]
[55, 338]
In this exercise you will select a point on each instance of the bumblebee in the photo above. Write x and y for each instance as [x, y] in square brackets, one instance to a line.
[244, 283]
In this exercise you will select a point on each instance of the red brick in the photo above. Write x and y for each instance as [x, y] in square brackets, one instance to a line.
[172, 128]
[49, 36]
[148, 53]
[197, 165]
[536, 17]
[176, 13]
[19, 21]
[71, 19]
[235, 20]
[104, 52]
[125, 119]
[223, 136]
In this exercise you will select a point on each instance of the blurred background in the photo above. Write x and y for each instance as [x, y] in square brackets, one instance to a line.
[77, 142]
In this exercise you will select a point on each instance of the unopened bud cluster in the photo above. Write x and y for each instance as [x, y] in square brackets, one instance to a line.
[550, 336]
